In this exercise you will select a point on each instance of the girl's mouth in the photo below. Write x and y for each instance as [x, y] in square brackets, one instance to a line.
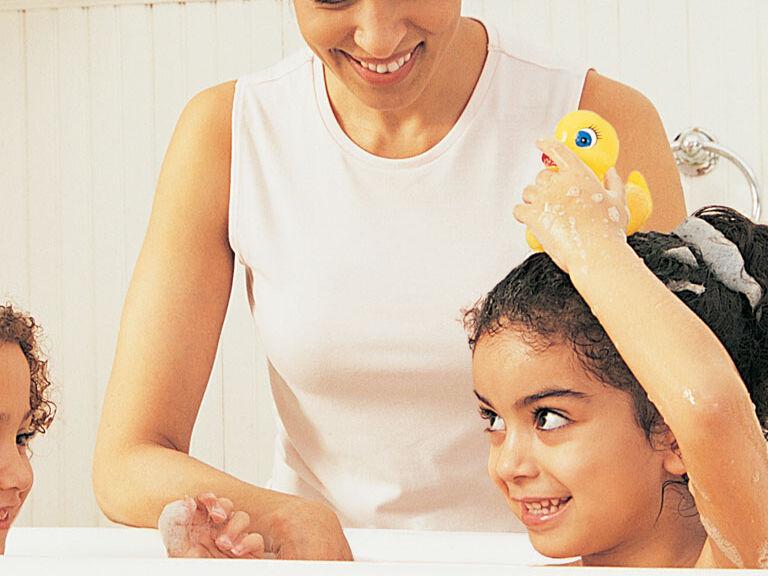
[385, 73]
[543, 513]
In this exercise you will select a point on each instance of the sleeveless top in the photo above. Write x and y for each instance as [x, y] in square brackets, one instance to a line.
[358, 270]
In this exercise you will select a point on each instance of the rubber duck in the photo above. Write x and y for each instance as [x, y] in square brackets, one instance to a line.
[596, 143]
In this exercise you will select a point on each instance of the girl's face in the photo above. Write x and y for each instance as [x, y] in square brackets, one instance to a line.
[566, 452]
[384, 52]
[15, 432]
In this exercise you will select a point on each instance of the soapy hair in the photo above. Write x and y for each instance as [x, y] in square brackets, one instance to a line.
[538, 302]
[19, 328]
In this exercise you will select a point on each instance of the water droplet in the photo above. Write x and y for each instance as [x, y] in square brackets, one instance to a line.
[688, 394]
[613, 214]
[597, 197]
[573, 192]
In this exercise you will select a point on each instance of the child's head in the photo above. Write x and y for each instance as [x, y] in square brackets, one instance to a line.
[579, 428]
[24, 409]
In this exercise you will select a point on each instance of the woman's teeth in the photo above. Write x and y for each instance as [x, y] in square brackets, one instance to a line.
[547, 506]
[3, 515]
[387, 68]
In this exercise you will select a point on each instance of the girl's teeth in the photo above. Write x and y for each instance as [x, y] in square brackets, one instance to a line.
[4, 515]
[548, 506]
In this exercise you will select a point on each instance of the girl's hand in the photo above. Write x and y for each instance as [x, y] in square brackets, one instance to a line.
[570, 212]
[208, 527]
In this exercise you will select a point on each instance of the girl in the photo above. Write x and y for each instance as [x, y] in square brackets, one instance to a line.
[626, 392]
[25, 410]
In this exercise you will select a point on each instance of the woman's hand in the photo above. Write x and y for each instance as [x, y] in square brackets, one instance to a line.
[208, 527]
[301, 529]
[570, 212]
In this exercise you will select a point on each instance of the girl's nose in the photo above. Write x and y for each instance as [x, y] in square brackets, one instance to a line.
[515, 459]
[15, 470]
[380, 28]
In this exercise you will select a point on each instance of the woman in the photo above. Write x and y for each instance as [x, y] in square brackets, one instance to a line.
[351, 182]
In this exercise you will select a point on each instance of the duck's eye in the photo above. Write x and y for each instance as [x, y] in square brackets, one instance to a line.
[586, 138]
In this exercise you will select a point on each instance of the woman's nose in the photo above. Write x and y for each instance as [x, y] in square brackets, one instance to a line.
[15, 470]
[515, 459]
[380, 28]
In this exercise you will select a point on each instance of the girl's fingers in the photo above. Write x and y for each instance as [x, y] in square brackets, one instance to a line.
[238, 524]
[213, 506]
[250, 546]
[543, 177]
[521, 212]
[530, 193]
[613, 183]
[564, 157]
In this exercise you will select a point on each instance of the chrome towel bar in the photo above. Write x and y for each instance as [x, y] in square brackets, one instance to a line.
[696, 153]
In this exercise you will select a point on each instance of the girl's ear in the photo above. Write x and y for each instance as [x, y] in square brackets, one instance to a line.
[673, 462]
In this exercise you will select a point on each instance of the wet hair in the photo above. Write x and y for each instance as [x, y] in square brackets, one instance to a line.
[538, 302]
[19, 328]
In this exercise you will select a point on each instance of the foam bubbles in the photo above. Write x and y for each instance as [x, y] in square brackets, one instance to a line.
[573, 192]
[726, 547]
[597, 197]
[613, 214]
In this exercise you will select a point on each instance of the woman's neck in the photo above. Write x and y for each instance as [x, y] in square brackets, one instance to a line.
[413, 129]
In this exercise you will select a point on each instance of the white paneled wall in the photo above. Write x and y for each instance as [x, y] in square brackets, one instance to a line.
[90, 92]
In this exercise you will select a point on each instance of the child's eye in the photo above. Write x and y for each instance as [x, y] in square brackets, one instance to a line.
[495, 422]
[23, 438]
[549, 420]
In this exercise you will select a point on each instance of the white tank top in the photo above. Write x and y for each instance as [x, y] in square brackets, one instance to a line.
[359, 268]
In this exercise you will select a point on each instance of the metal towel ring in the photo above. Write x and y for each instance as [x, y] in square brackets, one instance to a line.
[696, 153]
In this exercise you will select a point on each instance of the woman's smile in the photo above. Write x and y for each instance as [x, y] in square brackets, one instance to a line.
[378, 72]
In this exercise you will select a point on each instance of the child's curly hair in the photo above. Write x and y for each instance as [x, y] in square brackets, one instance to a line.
[19, 328]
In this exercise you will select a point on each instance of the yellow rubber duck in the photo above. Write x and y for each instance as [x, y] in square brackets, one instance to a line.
[596, 143]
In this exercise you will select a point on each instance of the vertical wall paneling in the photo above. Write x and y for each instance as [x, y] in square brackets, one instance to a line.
[473, 8]
[76, 352]
[569, 29]
[667, 85]
[601, 37]
[110, 269]
[170, 93]
[137, 116]
[708, 98]
[762, 87]
[740, 70]
[292, 40]
[524, 19]
[14, 232]
[45, 227]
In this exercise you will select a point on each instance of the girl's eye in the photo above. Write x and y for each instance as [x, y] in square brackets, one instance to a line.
[549, 420]
[24, 438]
[495, 422]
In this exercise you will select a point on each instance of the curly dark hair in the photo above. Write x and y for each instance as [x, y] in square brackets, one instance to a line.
[19, 328]
[538, 302]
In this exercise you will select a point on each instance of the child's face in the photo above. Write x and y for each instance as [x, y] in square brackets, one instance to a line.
[566, 451]
[15, 431]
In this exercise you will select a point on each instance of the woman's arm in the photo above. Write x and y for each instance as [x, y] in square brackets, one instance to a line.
[683, 367]
[169, 333]
[644, 145]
